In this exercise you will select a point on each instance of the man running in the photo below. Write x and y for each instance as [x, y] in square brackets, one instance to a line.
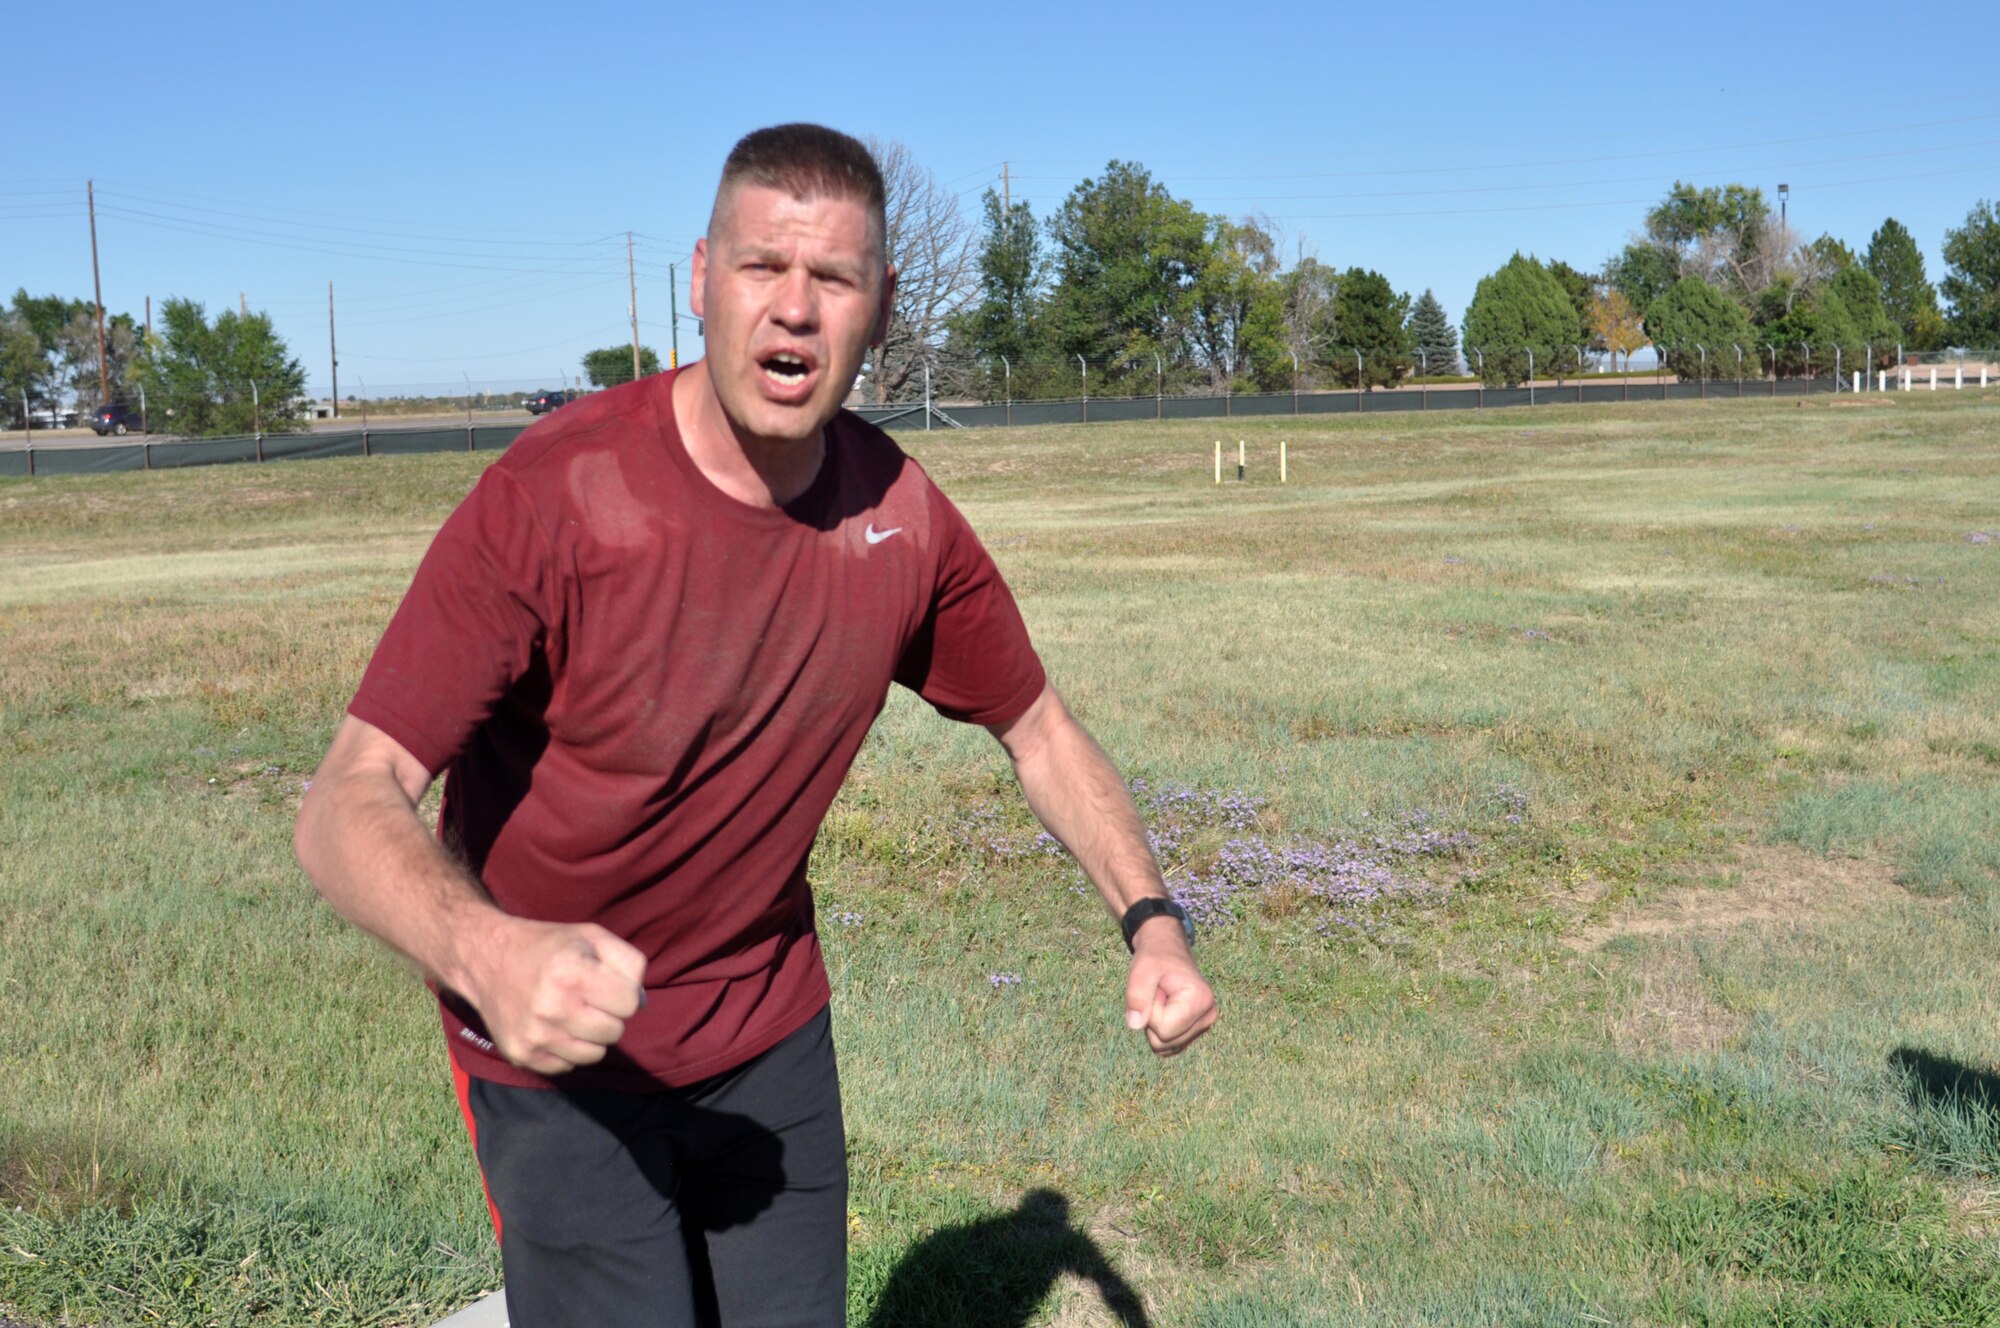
[644, 652]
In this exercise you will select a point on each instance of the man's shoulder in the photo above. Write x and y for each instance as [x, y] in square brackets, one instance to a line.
[618, 417]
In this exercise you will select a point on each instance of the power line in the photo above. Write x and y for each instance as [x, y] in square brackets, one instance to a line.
[174, 209]
[425, 298]
[275, 208]
[463, 311]
[230, 231]
[497, 355]
[141, 219]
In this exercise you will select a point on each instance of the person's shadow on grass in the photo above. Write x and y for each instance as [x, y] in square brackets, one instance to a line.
[1943, 1082]
[994, 1273]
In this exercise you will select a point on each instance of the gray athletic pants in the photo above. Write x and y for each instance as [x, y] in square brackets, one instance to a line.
[719, 1205]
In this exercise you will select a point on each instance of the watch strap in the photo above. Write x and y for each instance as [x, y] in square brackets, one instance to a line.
[1149, 908]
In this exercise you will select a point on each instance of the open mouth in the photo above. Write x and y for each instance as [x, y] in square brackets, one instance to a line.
[786, 370]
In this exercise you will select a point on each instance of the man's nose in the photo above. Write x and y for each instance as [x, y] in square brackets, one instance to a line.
[795, 308]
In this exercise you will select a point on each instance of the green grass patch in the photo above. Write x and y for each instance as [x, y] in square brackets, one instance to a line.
[1597, 807]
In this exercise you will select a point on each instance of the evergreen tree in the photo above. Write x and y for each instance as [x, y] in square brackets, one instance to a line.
[1515, 310]
[1431, 332]
[1908, 297]
[1581, 287]
[1369, 316]
[1845, 311]
[1869, 328]
[1692, 317]
[1003, 328]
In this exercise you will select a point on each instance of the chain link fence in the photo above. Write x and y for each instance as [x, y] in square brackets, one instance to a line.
[1723, 375]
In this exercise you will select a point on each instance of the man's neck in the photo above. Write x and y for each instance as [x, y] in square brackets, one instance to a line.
[757, 471]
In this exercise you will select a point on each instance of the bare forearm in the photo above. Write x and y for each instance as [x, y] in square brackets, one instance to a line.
[361, 841]
[1076, 792]
[554, 995]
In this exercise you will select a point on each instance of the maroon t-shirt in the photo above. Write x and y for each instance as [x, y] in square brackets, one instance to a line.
[647, 694]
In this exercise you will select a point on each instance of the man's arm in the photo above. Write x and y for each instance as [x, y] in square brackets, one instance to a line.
[1076, 791]
[553, 996]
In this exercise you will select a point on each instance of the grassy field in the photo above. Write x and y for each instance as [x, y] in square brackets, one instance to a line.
[1597, 811]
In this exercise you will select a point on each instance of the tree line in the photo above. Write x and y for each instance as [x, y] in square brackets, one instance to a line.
[1126, 290]
[193, 375]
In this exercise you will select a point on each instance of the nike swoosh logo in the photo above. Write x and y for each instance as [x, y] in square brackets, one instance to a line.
[875, 536]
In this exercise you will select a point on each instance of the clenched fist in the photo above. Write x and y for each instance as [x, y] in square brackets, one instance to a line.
[556, 996]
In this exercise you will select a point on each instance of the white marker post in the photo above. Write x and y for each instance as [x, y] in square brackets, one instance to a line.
[1933, 378]
[1857, 382]
[1218, 461]
[1881, 380]
[1239, 460]
[1283, 474]
[1958, 376]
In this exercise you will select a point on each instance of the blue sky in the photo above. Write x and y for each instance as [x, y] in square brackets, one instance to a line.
[465, 175]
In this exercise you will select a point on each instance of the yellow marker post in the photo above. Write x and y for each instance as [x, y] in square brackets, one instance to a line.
[1283, 476]
[1218, 461]
[1239, 460]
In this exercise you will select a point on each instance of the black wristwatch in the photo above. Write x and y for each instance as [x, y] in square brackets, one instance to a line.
[1146, 910]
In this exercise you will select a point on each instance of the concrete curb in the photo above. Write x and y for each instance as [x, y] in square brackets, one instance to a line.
[488, 1313]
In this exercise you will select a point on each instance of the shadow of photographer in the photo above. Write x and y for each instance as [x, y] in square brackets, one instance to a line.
[994, 1273]
[1940, 1081]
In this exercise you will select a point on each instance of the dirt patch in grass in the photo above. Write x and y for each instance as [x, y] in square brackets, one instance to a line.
[1676, 1009]
[1678, 1006]
[1770, 886]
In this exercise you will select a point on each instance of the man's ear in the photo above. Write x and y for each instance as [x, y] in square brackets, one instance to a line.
[698, 276]
[882, 311]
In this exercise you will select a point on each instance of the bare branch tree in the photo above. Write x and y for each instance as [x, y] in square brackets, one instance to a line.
[1310, 288]
[930, 242]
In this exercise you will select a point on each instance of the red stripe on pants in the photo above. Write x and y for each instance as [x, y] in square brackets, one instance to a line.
[461, 1084]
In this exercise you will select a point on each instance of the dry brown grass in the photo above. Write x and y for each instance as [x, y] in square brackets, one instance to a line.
[1773, 887]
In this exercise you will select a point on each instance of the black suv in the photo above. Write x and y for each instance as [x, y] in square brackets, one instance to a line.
[117, 419]
[541, 403]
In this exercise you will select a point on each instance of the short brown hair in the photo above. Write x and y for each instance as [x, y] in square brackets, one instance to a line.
[806, 161]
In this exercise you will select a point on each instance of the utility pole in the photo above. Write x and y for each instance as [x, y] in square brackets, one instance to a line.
[97, 286]
[333, 350]
[243, 305]
[1006, 201]
[149, 318]
[673, 318]
[632, 283]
